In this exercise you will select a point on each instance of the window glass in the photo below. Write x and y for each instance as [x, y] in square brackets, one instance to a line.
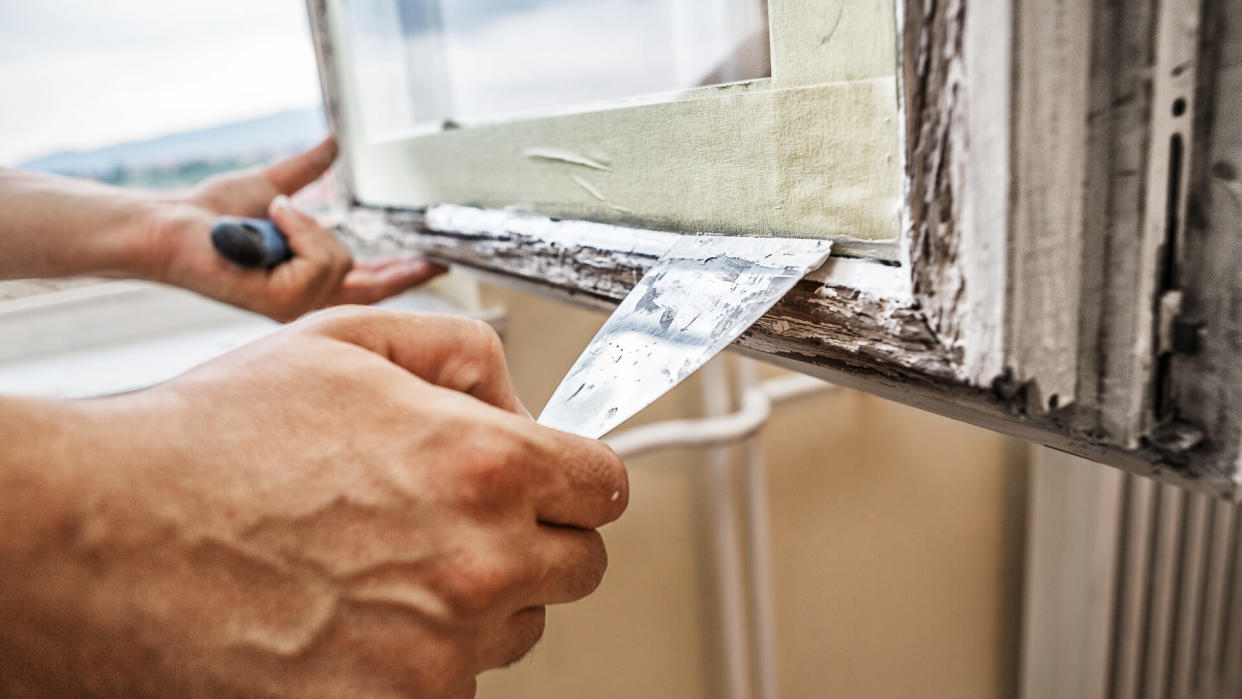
[419, 62]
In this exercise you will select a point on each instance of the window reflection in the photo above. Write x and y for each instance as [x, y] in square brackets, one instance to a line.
[419, 62]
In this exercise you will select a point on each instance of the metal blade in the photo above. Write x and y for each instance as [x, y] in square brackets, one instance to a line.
[695, 300]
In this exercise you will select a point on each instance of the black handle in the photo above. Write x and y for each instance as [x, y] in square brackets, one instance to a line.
[250, 242]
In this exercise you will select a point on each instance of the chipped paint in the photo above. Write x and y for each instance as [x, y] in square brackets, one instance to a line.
[693, 302]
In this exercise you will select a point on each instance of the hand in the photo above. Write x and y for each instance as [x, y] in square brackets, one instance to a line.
[321, 273]
[357, 505]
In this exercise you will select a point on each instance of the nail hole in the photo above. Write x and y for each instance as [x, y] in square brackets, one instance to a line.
[1179, 107]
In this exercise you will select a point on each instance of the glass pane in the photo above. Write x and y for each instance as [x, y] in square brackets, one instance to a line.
[418, 62]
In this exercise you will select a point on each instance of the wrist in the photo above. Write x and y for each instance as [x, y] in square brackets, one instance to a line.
[153, 248]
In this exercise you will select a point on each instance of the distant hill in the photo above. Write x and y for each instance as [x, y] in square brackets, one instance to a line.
[253, 140]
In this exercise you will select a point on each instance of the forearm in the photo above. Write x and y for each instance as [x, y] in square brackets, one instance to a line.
[40, 505]
[57, 226]
[65, 626]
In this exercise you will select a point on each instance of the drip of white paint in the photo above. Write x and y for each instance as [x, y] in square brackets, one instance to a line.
[565, 156]
[594, 192]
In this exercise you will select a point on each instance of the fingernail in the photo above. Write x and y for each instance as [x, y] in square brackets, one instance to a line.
[281, 202]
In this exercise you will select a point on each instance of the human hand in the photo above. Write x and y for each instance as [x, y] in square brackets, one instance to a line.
[321, 273]
[357, 505]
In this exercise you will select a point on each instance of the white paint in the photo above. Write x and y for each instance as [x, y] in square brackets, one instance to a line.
[564, 156]
[877, 280]
[598, 195]
[465, 220]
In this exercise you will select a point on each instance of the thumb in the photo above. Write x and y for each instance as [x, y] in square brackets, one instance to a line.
[318, 265]
[295, 172]
[451, 352]
[306, 237]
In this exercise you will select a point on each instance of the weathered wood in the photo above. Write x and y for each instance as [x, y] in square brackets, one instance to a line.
[995, 100]
[876, 340]
[935, 150]
[1116, 184]
[1206, 380]
[816, 319]
[1051, 52]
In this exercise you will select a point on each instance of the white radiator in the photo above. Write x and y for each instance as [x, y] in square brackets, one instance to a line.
[1133, 590]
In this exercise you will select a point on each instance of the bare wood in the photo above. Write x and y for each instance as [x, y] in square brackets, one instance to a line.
[938, 240]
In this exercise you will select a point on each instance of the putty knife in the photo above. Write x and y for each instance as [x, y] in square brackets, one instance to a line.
[695, 300]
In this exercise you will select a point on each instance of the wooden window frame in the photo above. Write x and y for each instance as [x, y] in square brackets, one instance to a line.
[1040, 287]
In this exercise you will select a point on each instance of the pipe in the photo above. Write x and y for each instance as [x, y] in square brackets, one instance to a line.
[726, 530]
[752, 415]
[759, 531]
[717, 429]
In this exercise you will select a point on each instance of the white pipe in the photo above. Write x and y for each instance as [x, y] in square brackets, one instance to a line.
[709, 431]
[726, 530]
[759, 535]
[755, 409]
[716, 430]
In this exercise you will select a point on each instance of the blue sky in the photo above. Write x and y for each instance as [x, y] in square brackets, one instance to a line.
[85, 73]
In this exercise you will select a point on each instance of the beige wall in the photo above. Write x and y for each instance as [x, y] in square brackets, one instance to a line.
[897, 547]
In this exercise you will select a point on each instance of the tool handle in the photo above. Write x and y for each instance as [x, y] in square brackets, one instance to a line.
[250, 242]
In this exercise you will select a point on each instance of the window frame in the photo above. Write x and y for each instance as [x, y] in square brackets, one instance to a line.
[1029, 296]
[652, 160]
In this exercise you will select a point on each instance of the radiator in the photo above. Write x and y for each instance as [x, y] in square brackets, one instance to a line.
[1133, 590]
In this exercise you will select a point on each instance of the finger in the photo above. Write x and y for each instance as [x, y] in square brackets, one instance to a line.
[452, 352]
[295, 172]
[585, 485]
[574, 563]
[514, 638]
[374, 280]
[319, 264]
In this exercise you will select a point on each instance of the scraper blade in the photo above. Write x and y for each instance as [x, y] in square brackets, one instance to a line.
[695, 300]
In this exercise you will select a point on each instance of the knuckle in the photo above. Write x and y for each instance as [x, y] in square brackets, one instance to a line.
[471, 591]
[486, 342]
[481, 360]
[493, 469]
